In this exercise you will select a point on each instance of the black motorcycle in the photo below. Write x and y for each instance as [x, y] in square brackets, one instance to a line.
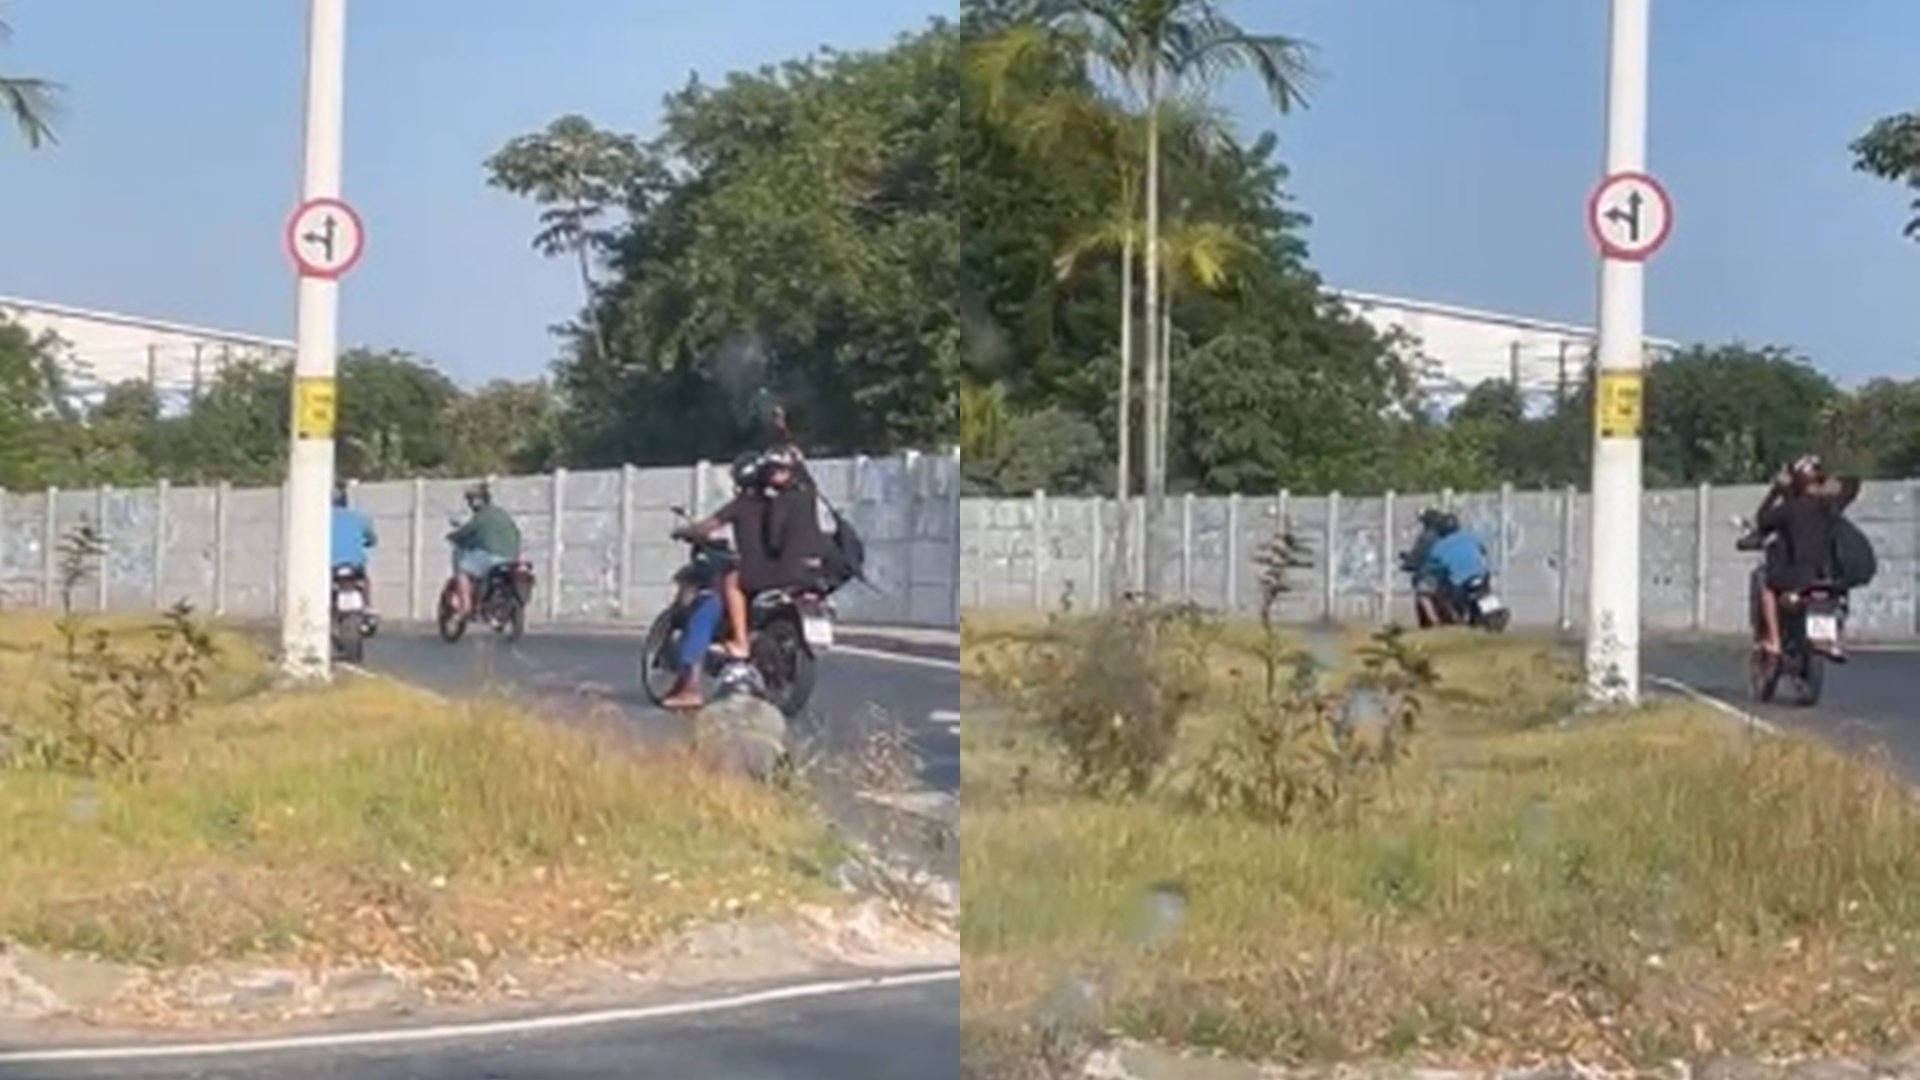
[1474, 603]
[787, 628]
[1813, 622]
[353, 624]
[500, 600]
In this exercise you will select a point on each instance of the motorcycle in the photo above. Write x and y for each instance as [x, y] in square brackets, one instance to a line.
[788, 629]
[500, 600]
[1483, 607]
[1813, 622]
[353, 624]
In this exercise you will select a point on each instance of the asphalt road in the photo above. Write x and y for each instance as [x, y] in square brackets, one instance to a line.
[1870, 703]
[868, 684]
[878, 1035]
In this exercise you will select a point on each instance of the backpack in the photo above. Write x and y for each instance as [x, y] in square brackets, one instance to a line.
[1854, 563]
[846, 557]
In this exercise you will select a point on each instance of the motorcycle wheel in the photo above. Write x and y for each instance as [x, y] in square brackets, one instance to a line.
[349, 637]
[785, 662]
[452, 624]
[1497, 623]
[658, 668]
[513, 623]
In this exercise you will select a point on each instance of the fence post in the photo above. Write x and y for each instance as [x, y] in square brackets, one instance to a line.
[1567, 536]
[1331, 606]
[1446, 499]
[1039, 538]
[1388, 561]
[697, 493]
[160, 492]
[1097, 554]
[1233, 553]
[1702, 548]
[103, 584]
[910, 463]
[279, 548]
[416, 547]
[556, 550]
[1503, 551]
[222, 516]
[623, 563]
[1186, 547]
[1139, 545]
[50, 548]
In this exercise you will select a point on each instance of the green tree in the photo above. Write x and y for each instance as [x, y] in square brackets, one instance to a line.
[392, 411]
[1875, 431]
[1890, 150]
[505, 427]
[578, 173]
[31, 418]
[32, 102]
[1731, 414]
[803, 250]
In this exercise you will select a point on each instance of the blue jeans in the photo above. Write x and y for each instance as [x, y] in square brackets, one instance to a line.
[703, 621]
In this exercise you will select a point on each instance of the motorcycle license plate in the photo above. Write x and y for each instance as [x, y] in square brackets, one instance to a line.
[351, 601]
[1824, 629]
[818, 630]
[1490, 604]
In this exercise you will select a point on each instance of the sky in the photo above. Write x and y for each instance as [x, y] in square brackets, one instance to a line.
[1446, 156]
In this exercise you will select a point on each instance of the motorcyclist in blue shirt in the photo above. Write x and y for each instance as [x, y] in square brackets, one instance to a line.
[1454, 558]
[353, 536]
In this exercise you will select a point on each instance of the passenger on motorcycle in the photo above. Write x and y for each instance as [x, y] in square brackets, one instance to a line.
[1801, 513]
[1454, 558]
[777, 544]
[352, 535]
[489, 539]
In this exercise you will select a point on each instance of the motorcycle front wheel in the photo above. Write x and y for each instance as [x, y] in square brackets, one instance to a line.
[452, 624]
[659, 666]
[349, 636]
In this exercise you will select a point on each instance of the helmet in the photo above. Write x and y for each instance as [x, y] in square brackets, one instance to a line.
[748, 470]
[1807, 467]
[339, 493]
[1444, 522]
[479, 494]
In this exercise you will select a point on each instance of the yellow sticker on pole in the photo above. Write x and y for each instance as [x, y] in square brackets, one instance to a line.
[1620, 405]
[316, 405]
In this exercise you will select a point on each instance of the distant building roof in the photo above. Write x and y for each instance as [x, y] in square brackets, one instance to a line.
[105, 348]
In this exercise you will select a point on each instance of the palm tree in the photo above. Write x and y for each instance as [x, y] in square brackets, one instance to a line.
[1155, 49]
[1203, 254]
[33, 103]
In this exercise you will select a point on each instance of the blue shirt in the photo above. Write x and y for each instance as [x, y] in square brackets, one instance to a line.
[1458, 558]
[352, 536]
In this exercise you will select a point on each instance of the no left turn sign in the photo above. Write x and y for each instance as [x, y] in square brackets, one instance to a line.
[325, 238]
[1629, 215]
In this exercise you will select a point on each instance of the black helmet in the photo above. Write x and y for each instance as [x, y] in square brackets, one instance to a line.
[339, 493]
[1443, 522]
[748, 470]
[479, 494]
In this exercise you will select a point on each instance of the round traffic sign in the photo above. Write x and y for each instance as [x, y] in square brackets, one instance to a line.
[325, 238]
[1629, 215]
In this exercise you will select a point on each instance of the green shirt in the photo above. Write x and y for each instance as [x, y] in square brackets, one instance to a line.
[491, 530]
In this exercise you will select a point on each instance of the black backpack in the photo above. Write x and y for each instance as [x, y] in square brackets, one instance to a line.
[1854, 563]
[846, 553]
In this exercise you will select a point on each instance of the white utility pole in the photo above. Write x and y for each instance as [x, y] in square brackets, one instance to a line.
[305, 620]
[1630, 216]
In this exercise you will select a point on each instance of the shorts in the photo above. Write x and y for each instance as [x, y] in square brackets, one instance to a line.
[476, 564]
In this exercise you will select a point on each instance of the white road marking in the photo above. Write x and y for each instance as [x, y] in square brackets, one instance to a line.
[1724, 707]
[898, 658]
[946, 718]
[487, 1029]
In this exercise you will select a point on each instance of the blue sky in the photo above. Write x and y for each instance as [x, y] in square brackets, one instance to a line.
[1446, 156]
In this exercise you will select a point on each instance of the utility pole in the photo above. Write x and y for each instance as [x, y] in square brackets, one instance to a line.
[1629, 215]
[305, 618]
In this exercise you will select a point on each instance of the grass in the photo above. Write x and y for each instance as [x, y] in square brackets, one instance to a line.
[1623, 890]
[372, 821]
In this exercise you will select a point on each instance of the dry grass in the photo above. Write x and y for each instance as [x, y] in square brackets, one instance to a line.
[374, 821]
[1626, 890]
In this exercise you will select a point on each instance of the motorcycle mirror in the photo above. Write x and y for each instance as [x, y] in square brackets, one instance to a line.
[679, 511]
[1740, 522]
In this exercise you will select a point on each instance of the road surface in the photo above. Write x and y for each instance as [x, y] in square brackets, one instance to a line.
[868, 683]
[885, 1034]
[1871, 702]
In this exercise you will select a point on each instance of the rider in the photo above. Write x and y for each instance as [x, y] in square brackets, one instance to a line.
[777, 544]
[1454, 558]
[1801, 511]
[352, 535]
[488, 539]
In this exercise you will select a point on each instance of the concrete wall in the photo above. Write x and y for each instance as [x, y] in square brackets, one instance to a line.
[599, 541]
[1046, 553]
